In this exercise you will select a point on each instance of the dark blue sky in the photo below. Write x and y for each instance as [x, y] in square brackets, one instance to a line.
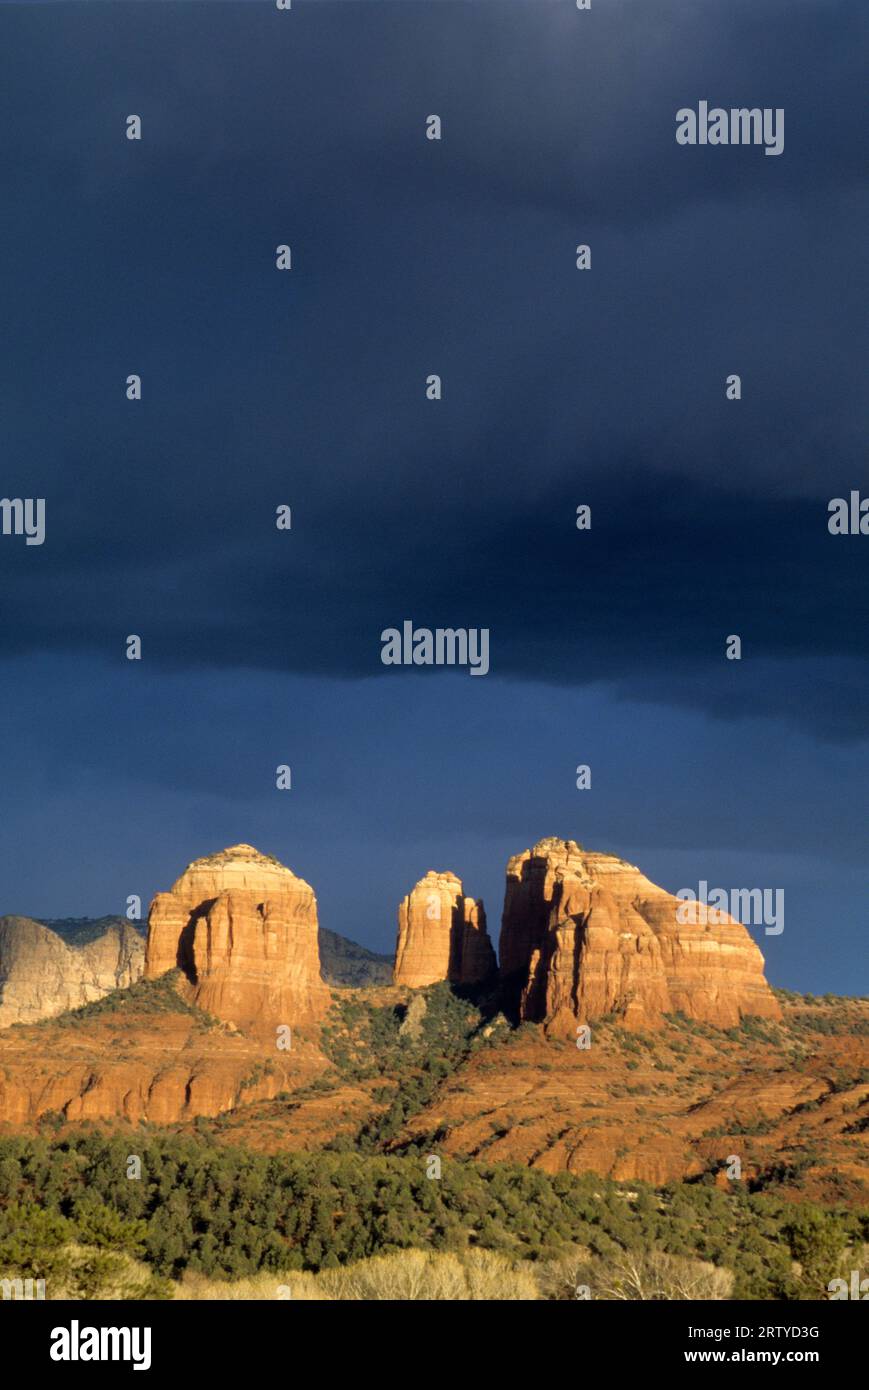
[560, 387]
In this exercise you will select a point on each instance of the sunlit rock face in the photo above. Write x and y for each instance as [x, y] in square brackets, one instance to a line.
[442, 935]
[586, 934]
[243, 929]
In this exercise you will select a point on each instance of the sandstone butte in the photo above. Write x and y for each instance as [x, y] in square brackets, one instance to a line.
[243, 929]
[442, 935]
[585, 935]
[42, 976]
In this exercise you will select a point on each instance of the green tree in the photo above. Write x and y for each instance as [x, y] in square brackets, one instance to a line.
[817, 1240]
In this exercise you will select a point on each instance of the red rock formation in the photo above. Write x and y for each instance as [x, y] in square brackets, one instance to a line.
[477, 961]
[243, 929]
[586, 934]
[170, 1068]
[442, 935]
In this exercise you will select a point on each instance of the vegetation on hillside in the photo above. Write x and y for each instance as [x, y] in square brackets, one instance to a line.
[91, 1254]
[231, 1213]
[411, 1055]
[79, 931]
[159, 996]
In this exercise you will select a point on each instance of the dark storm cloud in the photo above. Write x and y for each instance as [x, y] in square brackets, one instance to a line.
[560, 388]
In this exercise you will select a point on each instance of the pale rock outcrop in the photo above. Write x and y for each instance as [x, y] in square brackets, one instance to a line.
[243, 929]
[586, 934]
[442, 935]
[41, 975]
[412, 1024]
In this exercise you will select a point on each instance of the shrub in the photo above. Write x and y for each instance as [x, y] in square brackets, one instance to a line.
[657, 1277]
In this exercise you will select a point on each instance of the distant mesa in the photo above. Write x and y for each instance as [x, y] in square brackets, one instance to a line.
[243, 929]
[586, 935]
[442, 935]
[45, 970]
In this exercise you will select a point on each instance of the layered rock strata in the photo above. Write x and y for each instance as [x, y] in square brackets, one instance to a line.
[243, 929]
[442, 935]
[585, 935]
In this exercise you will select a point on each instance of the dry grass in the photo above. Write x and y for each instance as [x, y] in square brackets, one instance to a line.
[257, 1288]
[84, 1272]
[650, 1276]
[410, 1275]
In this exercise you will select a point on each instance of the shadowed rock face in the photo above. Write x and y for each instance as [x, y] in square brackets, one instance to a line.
[442, 935]
[243, 928]
[42, 976]
[586, 934]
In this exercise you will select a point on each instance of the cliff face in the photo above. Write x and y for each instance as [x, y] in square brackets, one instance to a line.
[173, 1065]
[41, 975]
[586, 934]
[442, 935]
[243, 929]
